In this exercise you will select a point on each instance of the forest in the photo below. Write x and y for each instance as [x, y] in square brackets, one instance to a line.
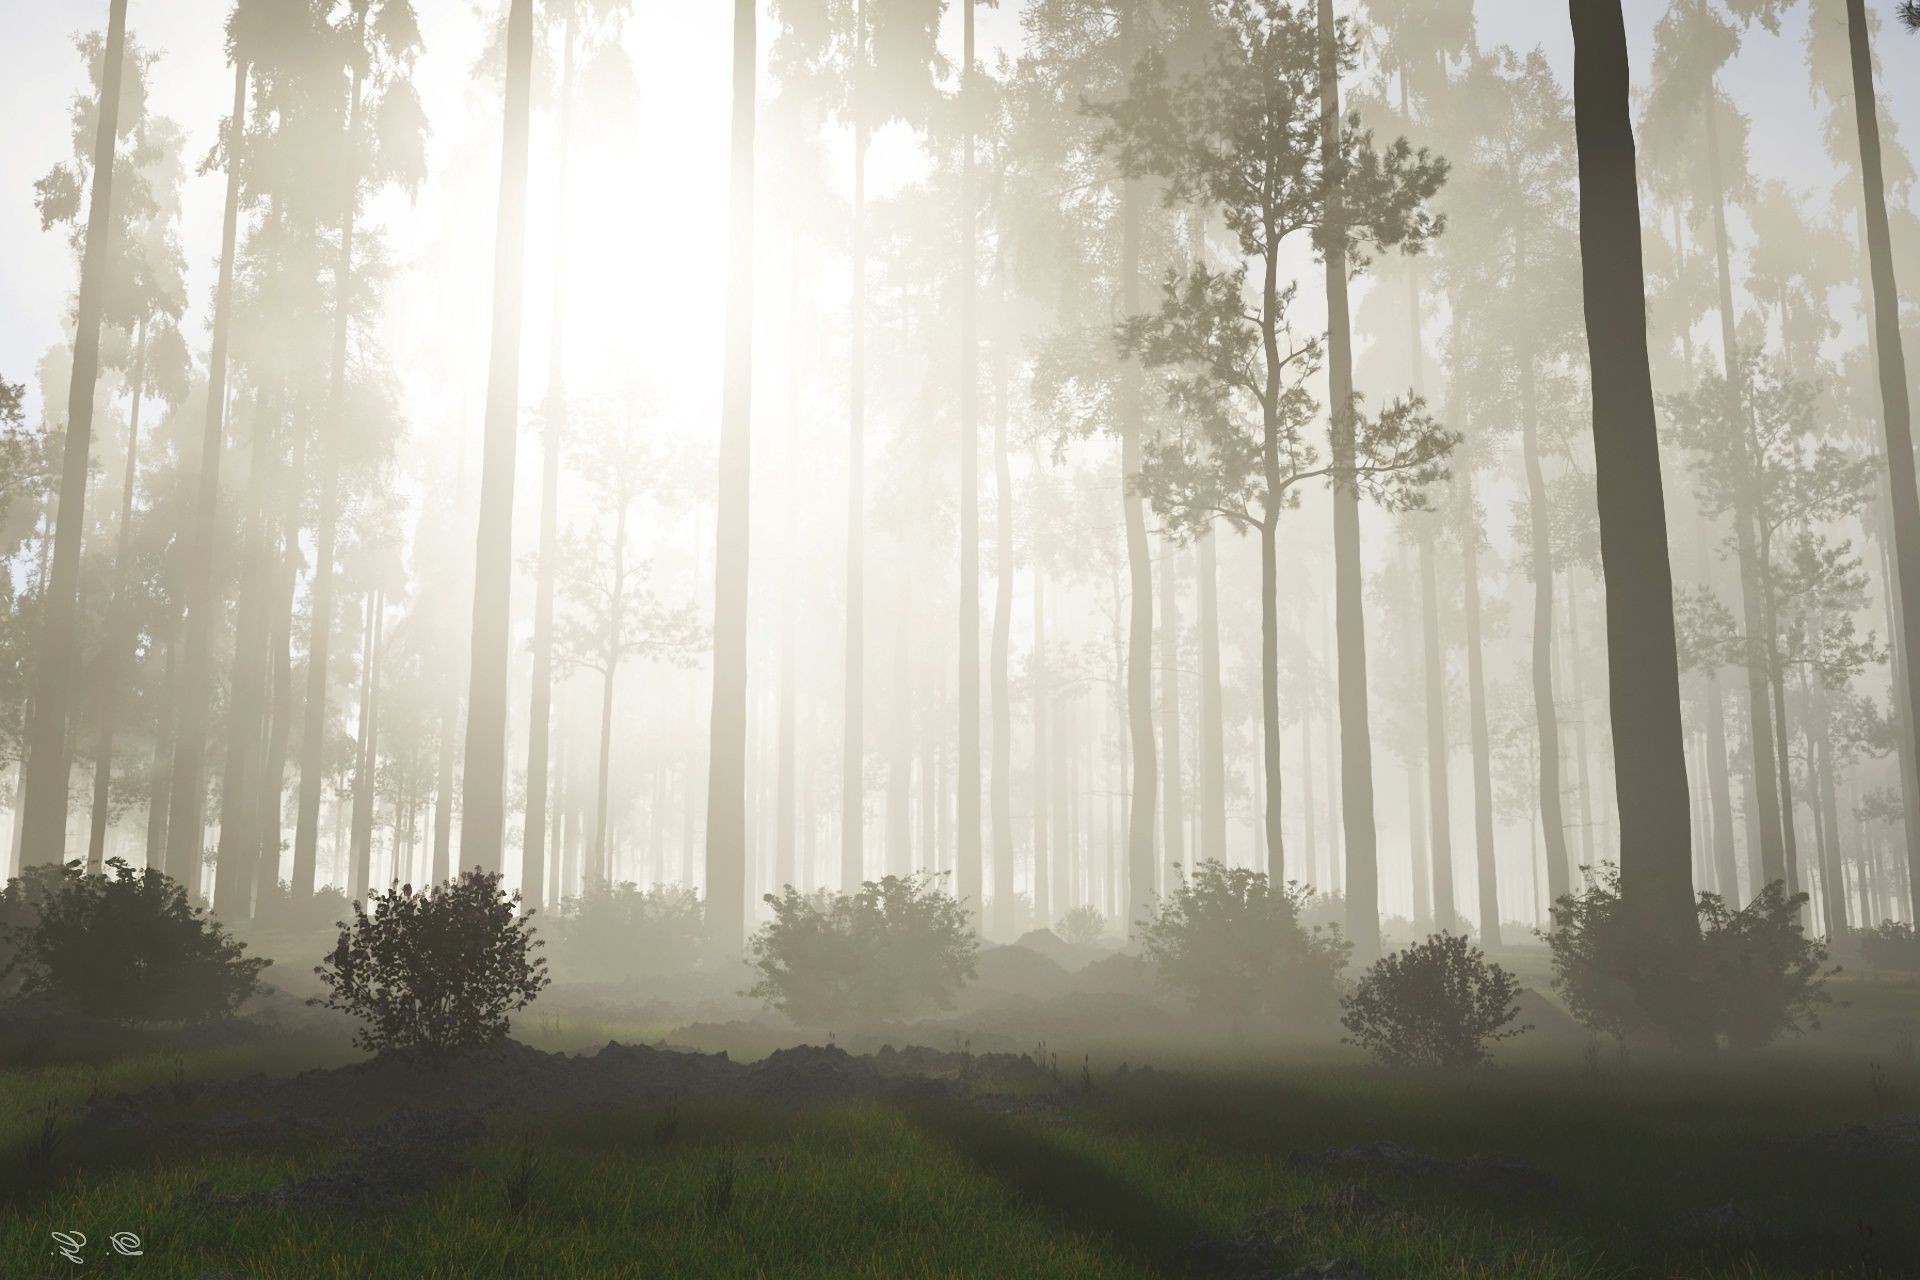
[1247, 639]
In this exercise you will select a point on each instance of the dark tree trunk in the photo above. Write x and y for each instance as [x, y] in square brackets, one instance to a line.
[1650, 774]
[1489, 875]
[1213, 745]
[1439, 808]
[1173, 818]
[120, 637]
[45, 775]
[1356, 742]
[1896, 408]
[727, 758]
[358, 860]
[483, 793]
[1001, 794]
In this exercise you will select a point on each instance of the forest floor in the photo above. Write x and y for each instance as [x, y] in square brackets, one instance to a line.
[276, 1153]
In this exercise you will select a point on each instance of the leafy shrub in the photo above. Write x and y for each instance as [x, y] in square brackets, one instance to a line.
[898, 948]
[437, 971]
[1436, 1004]
[20, 910]
[1891, 944]
[124, 944]
[1750, 975]
[620, 932]
[1235, 947]
[1083, 926]
[278, 907]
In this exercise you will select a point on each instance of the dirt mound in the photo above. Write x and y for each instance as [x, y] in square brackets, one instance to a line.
[1898, 1137]
[403, 1154]
[1499, 1174]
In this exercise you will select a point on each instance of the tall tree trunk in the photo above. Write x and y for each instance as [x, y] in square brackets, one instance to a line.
[1273, 838]
[727, 727]
[1356, 743]
[968, 881]
[45, 775]
[1173, 818]
[1213, 742]
[1042, 781]
[1752, 571]
[1650, 775]
[1417, 876]
[1777, 685]
[365, 779]
[282, 570]
[1546, 717]
[1439, 808]
[853, 753]
[1139, 674]
[899, 851]
[533, 850]
[1001, 794]
[1826, 810]
[602, 848]
[786, 871]
[313, 728]
[238, 852]
[1484, 856]
[1575, 689]
[483, 797]
[120, 637]
[158, 797]
[1896, 408]
[1720, 793]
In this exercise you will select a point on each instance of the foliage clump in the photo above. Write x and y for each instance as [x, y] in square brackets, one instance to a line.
[1891, 944]
[1436, 1004]
[1234, 946]
[122, 944]
[1749, 976]
[436, 971]
[1083, 925]
[898, 948]
[621, 931]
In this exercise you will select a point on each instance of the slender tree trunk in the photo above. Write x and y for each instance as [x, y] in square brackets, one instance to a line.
[1484, 856]
[1777, 685]
[1752, 571]
[968, 880]
[1826, 808]
[283, 568]
[1001, 795]
[1139, 666]
[357, 869]
[1546, 715]
[120, 639]
[1213, 744]
[45, 775]
[1895, 405]
[1356, 743]
[1439, 808]
[1173, 818]
[1417, 877]
[899, 852]
[237, 854]
[1576, 690]
[533, 850]
[1041, 772]
[785, 799]
[727, 728]
[1720, 793]
[602, 849]
[1650, 777]
[1273, 837]
[483, 793]
[158, 796]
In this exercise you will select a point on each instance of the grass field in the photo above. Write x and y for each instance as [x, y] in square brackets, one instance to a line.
[1666, 1168]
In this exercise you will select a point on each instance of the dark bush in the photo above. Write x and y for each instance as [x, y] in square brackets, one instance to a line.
[1235, 947]
[125, 945]
[1083, 926]
[1748, 976]
[897, 949]
[622, 932]
[437, 971]
[278, 907]
[1436, 1004]
[1891, 945]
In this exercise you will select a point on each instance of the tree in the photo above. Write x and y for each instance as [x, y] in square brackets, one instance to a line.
[727, 757]
[1650, 773]
[483, 792]
[1241, 138]
[45, 776]
[1895, 404]
[380, 146]
[185, 807]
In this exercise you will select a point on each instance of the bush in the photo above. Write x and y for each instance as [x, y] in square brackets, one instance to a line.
[1083, 926]
[434, 972]
[621, 932]
[1750, 975]
[1436, 1004]
[124, 944]
[1891, 944]
[898, 948]
[278, 907]
[1234, 946]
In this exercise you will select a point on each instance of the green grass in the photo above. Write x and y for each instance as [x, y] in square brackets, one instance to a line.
[1118, 1188]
